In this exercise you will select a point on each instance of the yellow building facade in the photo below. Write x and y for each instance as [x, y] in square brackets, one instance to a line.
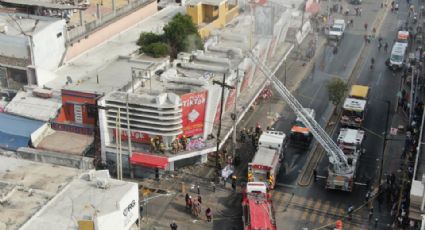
[208, 15]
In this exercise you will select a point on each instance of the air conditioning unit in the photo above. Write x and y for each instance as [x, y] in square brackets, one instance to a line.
[3, 28]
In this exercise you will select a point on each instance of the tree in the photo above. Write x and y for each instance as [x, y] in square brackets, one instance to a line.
[182, 35]
[336, 90]
[147, 38]
[157, 49]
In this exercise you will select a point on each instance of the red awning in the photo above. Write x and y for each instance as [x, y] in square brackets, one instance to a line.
[149, 160]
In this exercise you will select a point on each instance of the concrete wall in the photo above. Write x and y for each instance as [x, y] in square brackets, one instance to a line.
[14, 46]
[110, 30]
[66, 160]
[49, 45]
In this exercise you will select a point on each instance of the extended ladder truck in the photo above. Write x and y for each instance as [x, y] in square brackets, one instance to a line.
[339, 166]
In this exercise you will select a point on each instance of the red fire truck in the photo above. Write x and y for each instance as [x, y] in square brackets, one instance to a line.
[257, 207]
[267, 160]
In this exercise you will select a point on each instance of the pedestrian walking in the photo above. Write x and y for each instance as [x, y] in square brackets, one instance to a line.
[187, 197]
[315, 175]
[199, 190]
[234, 183]
[370, 213]
[173, 226]
[376, 222]
[213, 186]
[386, 47]
[365, 26]
[367, 196]
[350, 212]
[200, 199]
[208, 214]
[379, 46]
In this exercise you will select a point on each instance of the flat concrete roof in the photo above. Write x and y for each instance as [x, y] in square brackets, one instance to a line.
[205, 2]
[41, 3]
[26, 105]
[28, 186]
[90, 63]
[110, 77]
[24, 24]
[80, 200]
[66, 142]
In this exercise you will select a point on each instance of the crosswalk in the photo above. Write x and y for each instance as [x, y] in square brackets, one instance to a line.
[311, 212]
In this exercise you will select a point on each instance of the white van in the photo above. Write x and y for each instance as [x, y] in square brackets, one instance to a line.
[398, 54]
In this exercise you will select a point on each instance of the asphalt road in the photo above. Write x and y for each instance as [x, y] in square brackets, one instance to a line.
[293, 210]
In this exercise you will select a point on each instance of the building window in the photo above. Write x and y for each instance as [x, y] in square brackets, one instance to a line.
[58, 35]
[91, 111]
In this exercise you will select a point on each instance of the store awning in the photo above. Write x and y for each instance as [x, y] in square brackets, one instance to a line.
[149, 160]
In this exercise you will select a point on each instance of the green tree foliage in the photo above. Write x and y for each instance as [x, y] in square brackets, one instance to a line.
[147, 38]
[157, 49]
[180, 34]
[336, 90]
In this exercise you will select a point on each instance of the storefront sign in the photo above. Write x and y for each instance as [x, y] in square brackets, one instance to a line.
[193, 111]
[136, 136]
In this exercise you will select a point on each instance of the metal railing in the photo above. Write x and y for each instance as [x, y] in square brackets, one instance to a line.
[81, 31]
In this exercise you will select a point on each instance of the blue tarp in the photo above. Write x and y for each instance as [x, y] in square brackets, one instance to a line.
[15, 132]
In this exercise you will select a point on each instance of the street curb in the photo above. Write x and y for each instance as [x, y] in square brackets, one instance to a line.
[354, 72]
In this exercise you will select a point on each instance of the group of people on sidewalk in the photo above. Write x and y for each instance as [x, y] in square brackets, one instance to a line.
[194, 206]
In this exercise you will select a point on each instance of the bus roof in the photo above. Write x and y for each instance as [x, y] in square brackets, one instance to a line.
[359, 91]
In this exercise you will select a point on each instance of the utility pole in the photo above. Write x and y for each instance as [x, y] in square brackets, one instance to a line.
[130, 147]
[223, 85]
[118, 144]
[235, 116]
[384, 144]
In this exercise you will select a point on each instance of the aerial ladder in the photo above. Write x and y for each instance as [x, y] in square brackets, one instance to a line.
[339, 166]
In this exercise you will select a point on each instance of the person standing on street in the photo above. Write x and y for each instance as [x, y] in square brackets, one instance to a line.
[208, 214]
[173, 226]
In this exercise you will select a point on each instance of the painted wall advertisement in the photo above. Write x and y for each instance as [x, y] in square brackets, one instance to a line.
[193, 110]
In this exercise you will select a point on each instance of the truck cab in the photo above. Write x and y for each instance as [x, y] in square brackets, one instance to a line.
[354, 107]
[257, 207]
[336, 31]
[403, 37]
[300, 135]
[350, 141]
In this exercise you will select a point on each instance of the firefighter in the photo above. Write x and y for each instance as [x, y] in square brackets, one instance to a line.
[250, 177]
[270, 181]
[175, 146]
[183, 142]
[157, 143]
[234, 183]
[243, 135]
[153, 147]
[162, 147]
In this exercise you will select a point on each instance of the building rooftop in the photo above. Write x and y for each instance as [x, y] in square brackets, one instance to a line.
[86, 66]
[205, 2]
[27, 105]
[52, 4]
[85, 198]
[23, 24]
[66, 142]
[26, 186]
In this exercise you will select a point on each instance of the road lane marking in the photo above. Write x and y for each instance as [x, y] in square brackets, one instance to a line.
[378, 82]
[317, 206]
